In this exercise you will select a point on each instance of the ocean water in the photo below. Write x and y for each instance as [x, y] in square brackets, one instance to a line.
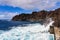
[23, 30]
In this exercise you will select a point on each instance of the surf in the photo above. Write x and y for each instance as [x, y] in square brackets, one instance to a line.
[34, 31]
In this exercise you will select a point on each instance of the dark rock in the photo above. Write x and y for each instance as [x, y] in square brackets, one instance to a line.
[38, 16]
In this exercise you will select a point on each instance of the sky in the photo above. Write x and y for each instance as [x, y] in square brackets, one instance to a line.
[10, 8]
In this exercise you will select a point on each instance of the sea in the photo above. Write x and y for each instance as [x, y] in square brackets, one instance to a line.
[25, 30]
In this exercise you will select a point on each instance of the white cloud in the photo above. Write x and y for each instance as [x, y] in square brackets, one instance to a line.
[7, 15]
[30, 4]
[2, 16]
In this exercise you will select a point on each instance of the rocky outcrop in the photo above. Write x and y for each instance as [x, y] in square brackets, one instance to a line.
[35, 16]
[55, 15]
[41, 15]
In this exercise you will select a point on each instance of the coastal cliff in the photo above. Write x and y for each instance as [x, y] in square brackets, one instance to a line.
[38, 16]
[35, 16]
[42, 15]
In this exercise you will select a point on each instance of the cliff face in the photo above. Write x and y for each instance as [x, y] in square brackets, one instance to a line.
[37, 16]
[55, 15]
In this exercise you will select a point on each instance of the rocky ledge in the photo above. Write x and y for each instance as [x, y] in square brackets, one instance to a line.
[41, 15]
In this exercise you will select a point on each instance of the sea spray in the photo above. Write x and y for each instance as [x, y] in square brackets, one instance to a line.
[30, 32]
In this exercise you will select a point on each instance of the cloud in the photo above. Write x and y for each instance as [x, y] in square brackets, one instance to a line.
[7, 15]
[2, 16]
[30, 4]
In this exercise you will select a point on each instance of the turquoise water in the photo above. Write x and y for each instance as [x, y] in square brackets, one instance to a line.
[51, 37]
[26, 36]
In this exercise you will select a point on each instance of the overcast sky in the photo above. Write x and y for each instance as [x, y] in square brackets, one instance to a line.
[10, 8]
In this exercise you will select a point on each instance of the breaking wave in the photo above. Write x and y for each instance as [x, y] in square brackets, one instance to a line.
[34, 31]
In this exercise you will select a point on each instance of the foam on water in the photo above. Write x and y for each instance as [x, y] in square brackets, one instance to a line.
[30, 32]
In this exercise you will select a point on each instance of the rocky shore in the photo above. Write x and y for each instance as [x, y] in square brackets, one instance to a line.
[38, 16]
[42, 15]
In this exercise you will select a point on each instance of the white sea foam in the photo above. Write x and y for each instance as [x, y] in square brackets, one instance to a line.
[30, 32]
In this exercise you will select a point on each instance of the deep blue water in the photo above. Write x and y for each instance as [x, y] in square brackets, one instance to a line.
[6, 25]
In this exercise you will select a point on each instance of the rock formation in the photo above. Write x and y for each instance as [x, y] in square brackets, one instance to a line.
[35, 16]
[41, 15]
